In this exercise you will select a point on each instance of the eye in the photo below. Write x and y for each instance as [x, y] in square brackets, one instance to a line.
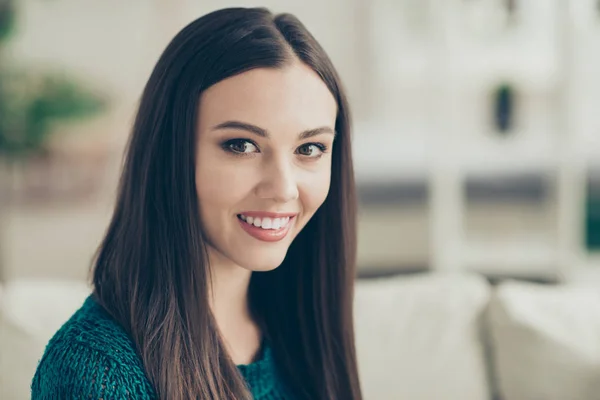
[312, 150]
[240, 146]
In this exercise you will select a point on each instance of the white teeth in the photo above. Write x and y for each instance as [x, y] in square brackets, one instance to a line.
[266, 223]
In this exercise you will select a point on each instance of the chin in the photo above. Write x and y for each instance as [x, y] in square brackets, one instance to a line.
[262, 263]
[262, 266]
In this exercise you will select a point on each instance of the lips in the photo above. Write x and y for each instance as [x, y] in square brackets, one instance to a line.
[267, 228]
[264, 214]
[265, 222]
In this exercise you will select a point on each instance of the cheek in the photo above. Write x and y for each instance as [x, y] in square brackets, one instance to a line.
[221, 186]
[314, 190]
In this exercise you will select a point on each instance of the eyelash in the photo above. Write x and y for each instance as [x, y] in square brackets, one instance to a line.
[227, 147]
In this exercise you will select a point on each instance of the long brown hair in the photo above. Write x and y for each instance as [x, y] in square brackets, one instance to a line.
[151, 271]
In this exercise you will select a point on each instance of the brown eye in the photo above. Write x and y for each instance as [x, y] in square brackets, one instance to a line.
[240, 146]
[312, 150]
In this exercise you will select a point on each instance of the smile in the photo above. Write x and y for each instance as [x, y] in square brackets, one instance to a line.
[266, 222]
[266, 229]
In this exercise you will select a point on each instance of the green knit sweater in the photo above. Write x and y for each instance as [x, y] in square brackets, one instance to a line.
[91, 357]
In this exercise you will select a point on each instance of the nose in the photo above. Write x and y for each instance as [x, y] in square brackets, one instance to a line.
[279, 182]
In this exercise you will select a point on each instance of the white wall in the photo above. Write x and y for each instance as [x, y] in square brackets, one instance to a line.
[116, 43]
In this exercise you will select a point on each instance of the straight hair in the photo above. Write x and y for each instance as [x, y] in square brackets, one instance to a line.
[151, 272]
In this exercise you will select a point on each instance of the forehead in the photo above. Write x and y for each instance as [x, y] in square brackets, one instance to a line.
[293, 97]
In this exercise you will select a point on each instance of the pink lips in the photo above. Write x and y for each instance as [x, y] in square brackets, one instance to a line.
[267, 235]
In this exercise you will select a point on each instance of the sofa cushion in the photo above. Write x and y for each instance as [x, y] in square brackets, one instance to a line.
[418, 337]
[30, 313]
[546, 341]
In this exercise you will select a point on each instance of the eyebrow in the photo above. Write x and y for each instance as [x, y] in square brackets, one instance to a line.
[244, 126]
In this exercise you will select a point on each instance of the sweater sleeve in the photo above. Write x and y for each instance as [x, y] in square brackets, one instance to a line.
[76, 371]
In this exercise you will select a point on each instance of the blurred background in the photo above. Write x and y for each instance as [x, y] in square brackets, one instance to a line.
[476, 144]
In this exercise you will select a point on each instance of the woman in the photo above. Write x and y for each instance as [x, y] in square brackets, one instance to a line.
[227, 270]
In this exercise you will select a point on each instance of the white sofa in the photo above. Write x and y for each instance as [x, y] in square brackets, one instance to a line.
[423, 337]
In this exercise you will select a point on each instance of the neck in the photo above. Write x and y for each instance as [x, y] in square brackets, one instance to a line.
[230, 307]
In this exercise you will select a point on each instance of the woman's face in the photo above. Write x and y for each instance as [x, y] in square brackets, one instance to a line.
[263, 162]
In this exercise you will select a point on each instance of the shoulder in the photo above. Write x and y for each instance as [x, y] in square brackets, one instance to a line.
[90, 356]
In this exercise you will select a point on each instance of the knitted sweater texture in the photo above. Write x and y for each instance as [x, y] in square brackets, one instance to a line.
[92, 357]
